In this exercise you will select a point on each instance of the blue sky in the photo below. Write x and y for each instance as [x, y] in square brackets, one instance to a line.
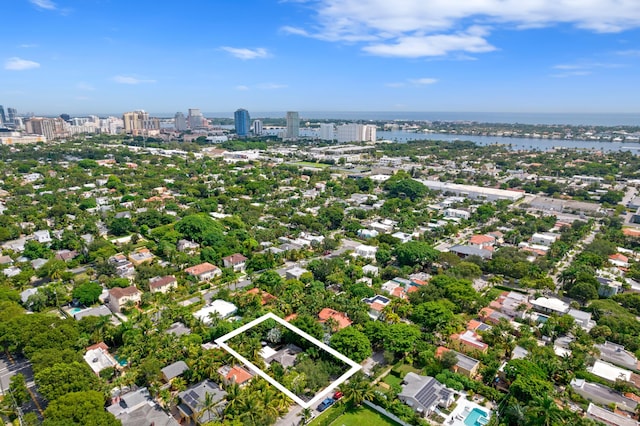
[110, 56]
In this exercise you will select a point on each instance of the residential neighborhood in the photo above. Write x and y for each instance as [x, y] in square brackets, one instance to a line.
[472, 284]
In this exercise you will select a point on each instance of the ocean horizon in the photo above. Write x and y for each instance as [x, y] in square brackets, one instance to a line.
[574, 119]
[532, 118]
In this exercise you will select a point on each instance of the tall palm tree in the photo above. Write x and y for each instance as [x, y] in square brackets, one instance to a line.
[356, 390]
[305, 415]
[206, 407]
[543, 411]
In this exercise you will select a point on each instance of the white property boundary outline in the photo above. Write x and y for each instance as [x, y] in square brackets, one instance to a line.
[355, 367]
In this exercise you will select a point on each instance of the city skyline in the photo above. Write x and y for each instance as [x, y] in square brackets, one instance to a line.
[320, 55]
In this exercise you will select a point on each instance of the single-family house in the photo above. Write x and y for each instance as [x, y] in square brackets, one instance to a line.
[465, 365]
[186, 246]
[609, 372]
[340, 318]
[99, 358]
[220, 308]
[265, 297]
[607, 417]
[286, 356]
[137, 408]
[544, 238]
[295, 273]
[119, 297]
[370, 270]
[618, 355]
[192, 402]
[424, 393]
[466, 251]
[43, 236]
[469, 341]
[376, 304]
[204, 271]
[236, 374]
[140, 256]
[162, 284]
[124, 267]
[600, 394]
[619, 260]
[235, 261]
[368, 252]
[482, 241]
[174, 370]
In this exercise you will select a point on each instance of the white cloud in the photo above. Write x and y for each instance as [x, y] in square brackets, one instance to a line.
[271, 86]
[27, 46]
[44, 4]
[85, 86]
[423, 81]
[241, 87]
[244, 53]
[415, 82]
[125, 79]
[419, 28]
[577, 73]
[630, 52]
[19, 64]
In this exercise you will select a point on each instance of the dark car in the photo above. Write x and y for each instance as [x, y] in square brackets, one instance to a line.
[325, 404]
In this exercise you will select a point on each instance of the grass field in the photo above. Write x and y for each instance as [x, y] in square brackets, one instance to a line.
[362, 416]
[392, 380]
[309, 164]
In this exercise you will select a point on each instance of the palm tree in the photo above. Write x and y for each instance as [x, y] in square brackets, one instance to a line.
[206, 406]
[544, 411]
[305, 415]
[356, 390]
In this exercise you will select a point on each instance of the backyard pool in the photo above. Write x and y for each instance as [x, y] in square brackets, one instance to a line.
[74, 311]
[476, 417]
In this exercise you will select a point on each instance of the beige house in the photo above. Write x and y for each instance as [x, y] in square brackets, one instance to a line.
[118, 297]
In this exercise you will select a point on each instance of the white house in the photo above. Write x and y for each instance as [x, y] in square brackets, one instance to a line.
[368, 252]
[43, 237]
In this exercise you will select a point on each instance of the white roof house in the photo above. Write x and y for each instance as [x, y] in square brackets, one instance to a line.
[550, 305]
[609, 371]
[368, 252]
[218, 307]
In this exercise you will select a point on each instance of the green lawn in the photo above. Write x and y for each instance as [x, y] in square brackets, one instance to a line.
[309, 164]
[392, 380]
[362, 416]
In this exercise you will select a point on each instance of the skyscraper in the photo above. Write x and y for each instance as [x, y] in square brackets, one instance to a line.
[257, 127]
[293, 125]
[3, 118]
[180, 123]
[12, 113]
[327, 132]
[195, 119]
[242, 120]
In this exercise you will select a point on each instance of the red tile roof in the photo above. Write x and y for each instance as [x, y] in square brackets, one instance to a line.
[342, 319]
[201, 269]
[238, 375]
[481, 239]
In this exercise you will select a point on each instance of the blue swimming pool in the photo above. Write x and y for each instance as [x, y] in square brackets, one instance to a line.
[476, 417]
[74, 311]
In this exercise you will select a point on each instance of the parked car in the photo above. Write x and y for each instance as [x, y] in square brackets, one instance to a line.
[325, 404]
[338, 395]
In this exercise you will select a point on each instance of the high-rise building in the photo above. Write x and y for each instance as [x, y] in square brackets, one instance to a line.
[12, 113]
[242, 120]
[51, 128]
[369, 133]
[137, 122]
[293, 125]
[180, 123]
[327, 132]
[351, 132]
[354, 132]
[195, 119]
[257, 127]
[3, 118]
